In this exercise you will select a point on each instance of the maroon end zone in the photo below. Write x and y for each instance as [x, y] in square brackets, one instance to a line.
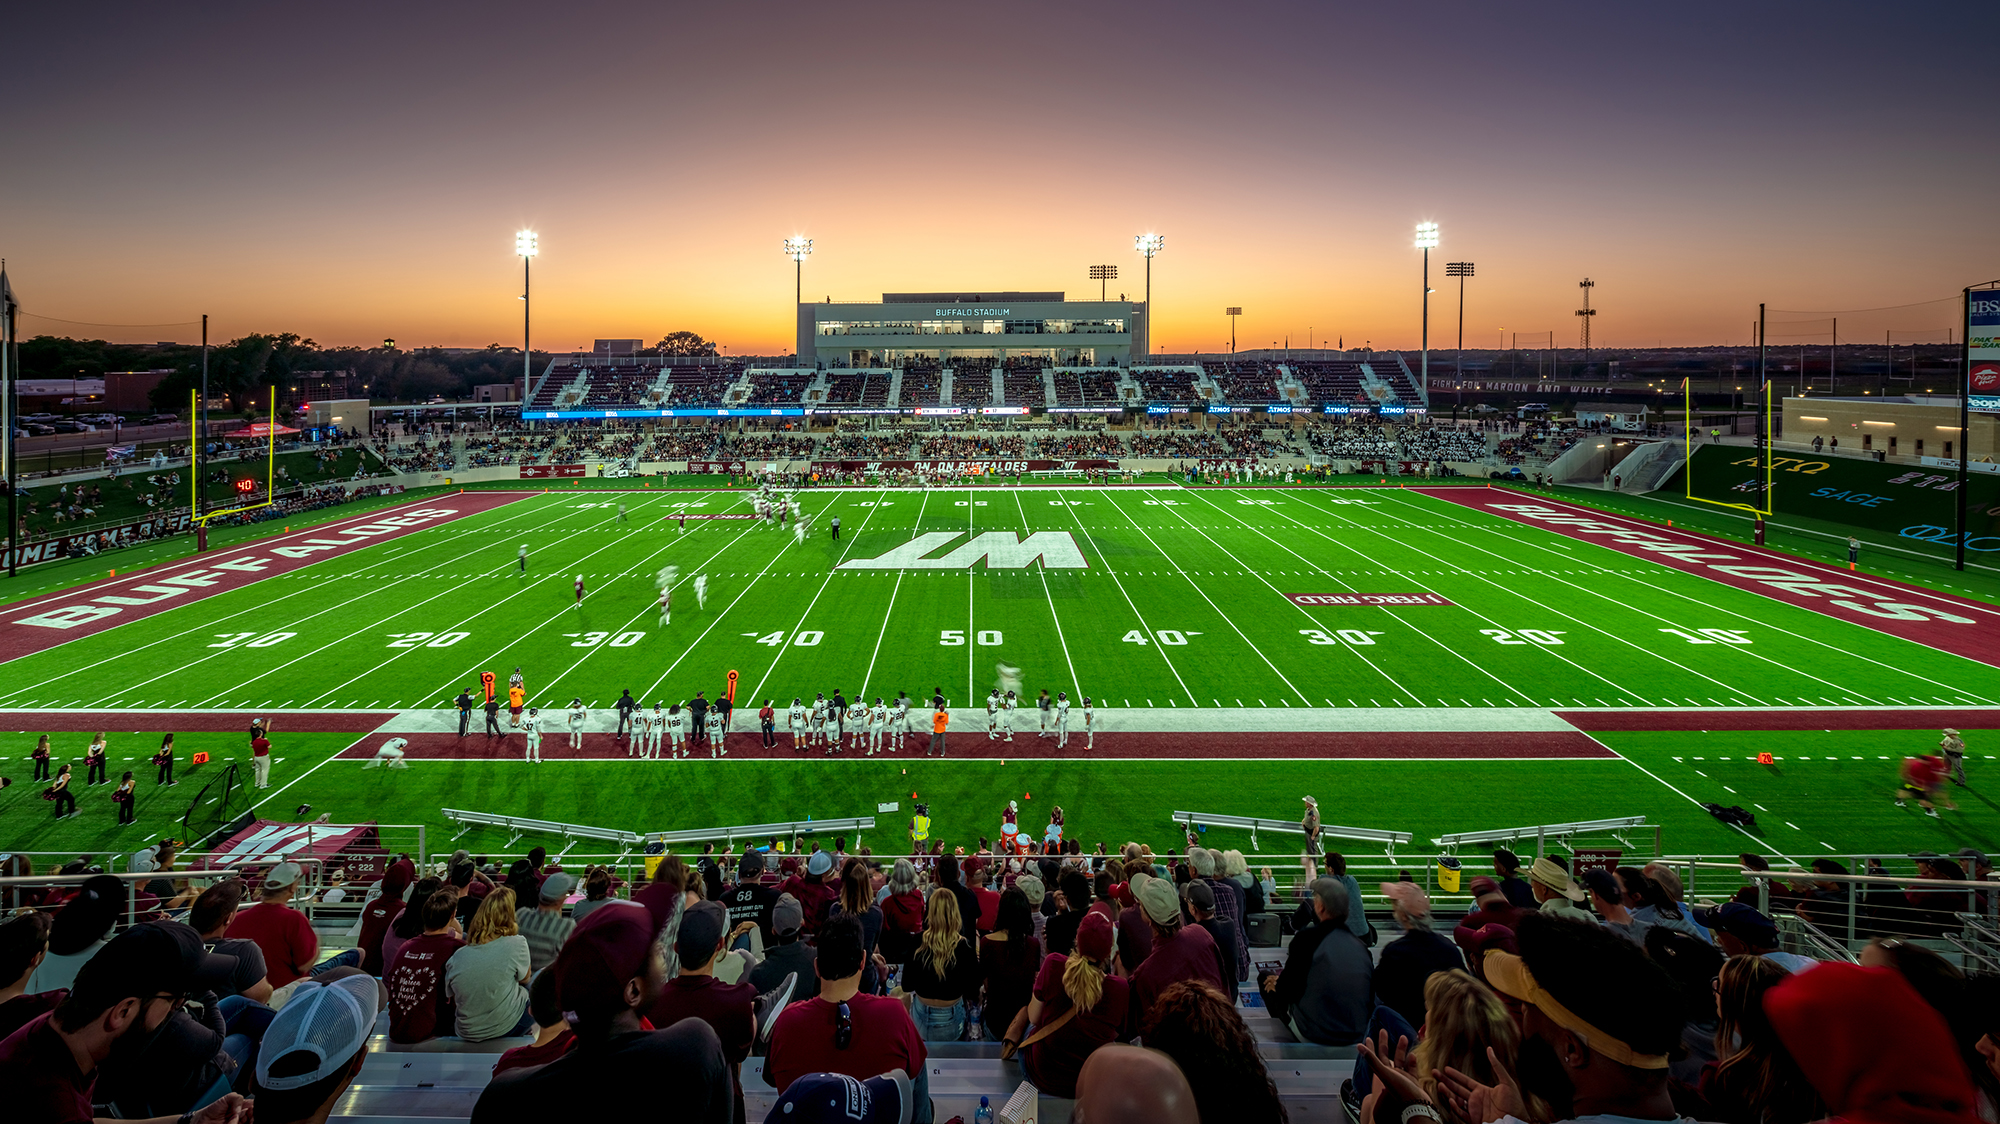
[187, 722]
[1957, 625]
[1603, 721]
[84, 610]
[1476, 746]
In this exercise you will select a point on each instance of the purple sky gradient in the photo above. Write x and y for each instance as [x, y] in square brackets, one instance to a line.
[357, 171]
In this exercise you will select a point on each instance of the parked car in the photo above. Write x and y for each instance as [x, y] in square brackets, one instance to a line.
[161, 419]
[64, 425]
[35, 429]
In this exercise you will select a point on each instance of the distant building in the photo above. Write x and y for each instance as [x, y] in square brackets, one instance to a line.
[497, 392]
[992, 327]
[131, 392]
[617, 347]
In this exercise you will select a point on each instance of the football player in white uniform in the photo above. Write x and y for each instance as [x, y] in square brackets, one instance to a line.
[1047, 713]
[716, 730]
[796, 720]
[818, 737]
[878, 724]
[676, 732]
[701, 591]
[900, 721]
[1089, 726]
[666, 607]
[857, 721]
[642, 731]
[1008, 717]
[994, 705]
[576, 723]
[533, 725]
[1062, 719]
[652, 732]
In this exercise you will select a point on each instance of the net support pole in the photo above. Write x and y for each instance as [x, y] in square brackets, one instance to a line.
[10, 469]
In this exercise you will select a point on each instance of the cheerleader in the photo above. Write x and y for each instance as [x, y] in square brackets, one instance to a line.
[60, 793]
[164, 760]
[124, 798]
[41, 758]
[93, 763]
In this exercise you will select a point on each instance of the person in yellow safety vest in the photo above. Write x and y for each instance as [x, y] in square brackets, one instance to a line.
[920, 827]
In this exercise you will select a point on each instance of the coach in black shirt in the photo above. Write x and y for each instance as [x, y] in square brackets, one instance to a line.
[699, 710]
[839, 716]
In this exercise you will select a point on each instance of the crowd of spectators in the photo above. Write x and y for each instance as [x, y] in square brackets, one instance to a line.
[1352, 442]
[1597, 996]
[944, 447]
[1441, 443]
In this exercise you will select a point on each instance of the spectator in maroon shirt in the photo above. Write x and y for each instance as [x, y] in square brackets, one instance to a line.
[419, 1002]
[814, 890]
[377, 914]
[1180, 952]
[49, 1067]
[845, 1031]
[1098, 1007]
[553, 1037]
[989, 899]
[287, 938]
[696, 994]
[902, 913]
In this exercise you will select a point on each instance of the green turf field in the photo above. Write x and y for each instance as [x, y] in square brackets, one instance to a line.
[1179, 605]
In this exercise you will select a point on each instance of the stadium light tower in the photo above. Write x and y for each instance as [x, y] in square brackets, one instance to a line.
[1149, 244]
[527, 244]
[1460, 270]
[1427, 240]
[1233, 311]
[1102, 274]
[799, 249]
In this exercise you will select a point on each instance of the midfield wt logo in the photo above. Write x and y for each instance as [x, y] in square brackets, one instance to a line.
[1002, 550]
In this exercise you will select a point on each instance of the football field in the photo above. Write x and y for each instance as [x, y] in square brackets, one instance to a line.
[1443, 658]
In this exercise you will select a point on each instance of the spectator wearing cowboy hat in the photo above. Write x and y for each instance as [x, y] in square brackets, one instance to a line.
[1554, 891]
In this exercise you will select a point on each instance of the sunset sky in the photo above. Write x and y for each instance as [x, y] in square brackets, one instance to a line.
[357, 171]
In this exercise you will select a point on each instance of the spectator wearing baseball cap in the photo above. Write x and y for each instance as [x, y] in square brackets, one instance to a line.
[695, 993]
[1326, 992]
[609, 974]
[1180, 952]
[790, 956]
[315, 1047]
[835, 1098]
[49, 1067]
[1076, 1007]
[1407, 963]
[1198, 901]
[80, 929]
[1555, 892]
[845, 1031]
[750, 899]
[1742, 931]
[544, 927]
[287, 938]
[815, 890]
[1508, 866]
[1489, 907]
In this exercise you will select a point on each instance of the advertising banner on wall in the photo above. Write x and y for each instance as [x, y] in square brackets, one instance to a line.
[551, 471]
[1982, 337]
[994, 465]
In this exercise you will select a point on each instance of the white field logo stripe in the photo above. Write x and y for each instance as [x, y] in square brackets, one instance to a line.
[1002, 550]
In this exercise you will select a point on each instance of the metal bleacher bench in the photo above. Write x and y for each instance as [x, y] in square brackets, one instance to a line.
[522, 825]
[1620, 829]
[1390, 840]
[784, 830]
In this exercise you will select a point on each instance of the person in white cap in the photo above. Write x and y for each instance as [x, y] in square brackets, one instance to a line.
[1953, 747]
[282, 933]
[390, 756]
[1311, 825]
[314, 1048]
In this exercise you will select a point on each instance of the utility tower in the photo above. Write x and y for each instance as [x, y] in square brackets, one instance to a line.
[1586, 312]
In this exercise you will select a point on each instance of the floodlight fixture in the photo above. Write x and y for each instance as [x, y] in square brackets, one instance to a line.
[1102, 274]
[1427, 235]
[527, 243]
[1149, 244]
[798, 249]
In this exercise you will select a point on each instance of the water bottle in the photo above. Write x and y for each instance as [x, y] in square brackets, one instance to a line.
[985, 1113]
[974, 1030]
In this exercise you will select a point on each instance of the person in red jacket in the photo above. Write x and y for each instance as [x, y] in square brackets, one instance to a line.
[1923, 777]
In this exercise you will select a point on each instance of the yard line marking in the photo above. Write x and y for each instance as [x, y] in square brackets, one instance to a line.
[828, 580]
[264, 606]
[559, 615]
[1579, 621]
[1158, 649]
[868, 676]
[1707, 606]
[300, 621]
[1462, 657]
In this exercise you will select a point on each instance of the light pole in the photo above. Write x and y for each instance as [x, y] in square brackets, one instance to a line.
[1233, 311]
[1149, 244]
[799, 249]
[1427, 240]
[1460, 270]
[1101, 274]
[527, 244]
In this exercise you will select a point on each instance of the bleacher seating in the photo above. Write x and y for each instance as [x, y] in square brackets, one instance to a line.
[1165, 386]
[1020, 386]
[1245, 383]
[771, 389]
